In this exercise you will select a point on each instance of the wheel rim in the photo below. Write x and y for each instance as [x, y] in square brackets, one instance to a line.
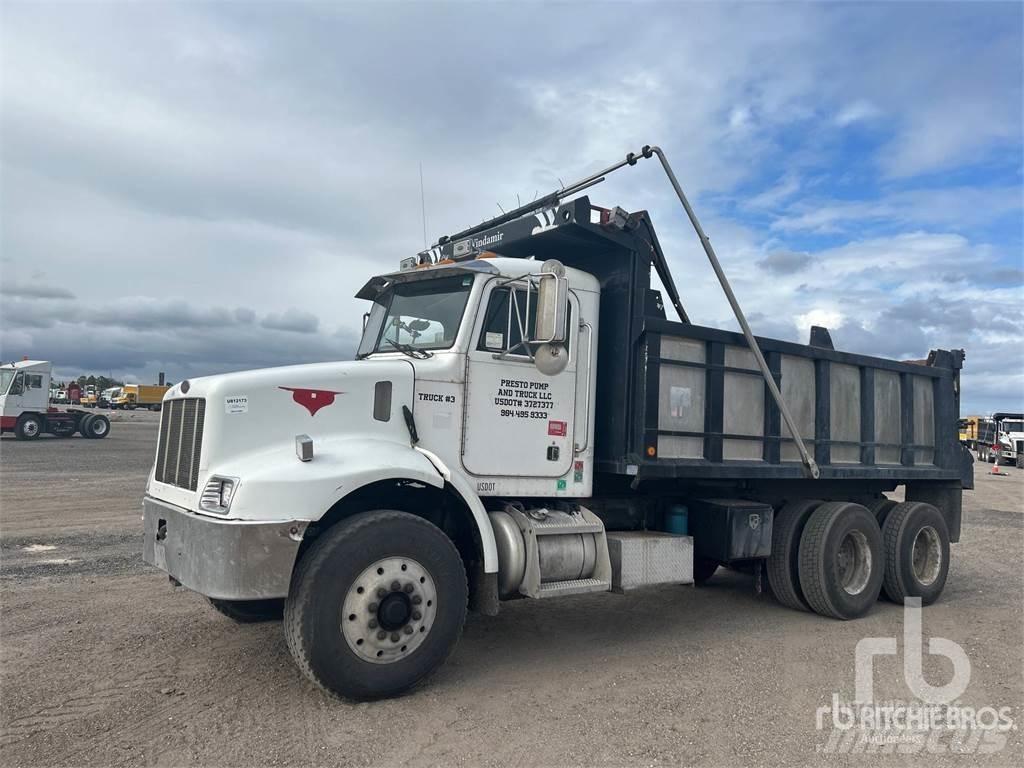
[854, 562]
[30, 428]
[927, 555]
[389, 610]
[99, 428]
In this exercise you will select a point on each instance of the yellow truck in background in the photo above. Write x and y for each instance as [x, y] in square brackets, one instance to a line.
[134, 396]
[969, 431]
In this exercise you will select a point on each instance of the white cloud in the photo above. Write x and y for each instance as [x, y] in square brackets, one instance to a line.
[827, 318]
[786, 187]
[856, 112]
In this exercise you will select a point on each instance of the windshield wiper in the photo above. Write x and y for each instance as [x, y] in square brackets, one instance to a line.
[408, 349]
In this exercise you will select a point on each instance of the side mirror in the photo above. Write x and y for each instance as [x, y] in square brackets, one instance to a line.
[552, 303]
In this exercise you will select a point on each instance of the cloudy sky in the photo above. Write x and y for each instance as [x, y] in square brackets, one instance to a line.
[197, 188]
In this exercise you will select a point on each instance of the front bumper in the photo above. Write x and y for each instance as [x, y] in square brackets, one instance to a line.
[225, 559]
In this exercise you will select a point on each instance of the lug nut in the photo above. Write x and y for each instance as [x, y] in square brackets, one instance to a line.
[373, 624]
[381, 592]
[416, 615]
[381, 635]
[372, 607]
[395, 637]
[395, 586]
[408, 588]
[407, 630]
[416, 599]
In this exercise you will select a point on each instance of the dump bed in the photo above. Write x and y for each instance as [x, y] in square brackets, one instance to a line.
[706, 411]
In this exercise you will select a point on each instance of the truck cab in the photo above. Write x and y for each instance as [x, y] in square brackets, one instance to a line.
[123, 398]
[107, 396]
[449, 359]
[24, 388]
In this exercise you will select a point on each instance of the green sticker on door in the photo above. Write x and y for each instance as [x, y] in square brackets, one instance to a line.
[561, 485]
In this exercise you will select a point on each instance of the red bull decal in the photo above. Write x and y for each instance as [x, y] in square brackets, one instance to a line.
[312, 399]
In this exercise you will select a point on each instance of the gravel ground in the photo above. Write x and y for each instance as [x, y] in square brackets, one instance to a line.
[104, 663]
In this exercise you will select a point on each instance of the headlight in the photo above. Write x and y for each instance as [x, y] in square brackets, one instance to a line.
[217, 494]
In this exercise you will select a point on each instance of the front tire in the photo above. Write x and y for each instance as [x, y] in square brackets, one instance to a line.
[916, 552]
[28, 427]
[376, 605]
[841, 560]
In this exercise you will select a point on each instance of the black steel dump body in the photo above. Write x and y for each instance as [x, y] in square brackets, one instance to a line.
[680, 402]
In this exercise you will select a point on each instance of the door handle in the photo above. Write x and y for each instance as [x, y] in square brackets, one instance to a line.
[590, 372]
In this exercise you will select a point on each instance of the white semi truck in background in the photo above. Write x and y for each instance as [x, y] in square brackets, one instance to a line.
[25, 408]
[522, 421]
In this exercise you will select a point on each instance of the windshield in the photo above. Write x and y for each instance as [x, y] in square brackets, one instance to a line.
[1013, 426]
[423, 314]
[6, 377]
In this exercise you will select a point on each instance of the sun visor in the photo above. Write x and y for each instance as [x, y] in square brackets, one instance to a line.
[376, 285]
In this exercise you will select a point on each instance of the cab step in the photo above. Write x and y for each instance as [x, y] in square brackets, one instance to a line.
[574, 587]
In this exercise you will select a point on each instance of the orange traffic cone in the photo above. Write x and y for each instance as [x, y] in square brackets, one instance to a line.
[995, 469]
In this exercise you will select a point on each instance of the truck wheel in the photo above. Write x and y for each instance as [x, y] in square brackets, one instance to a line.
[96, 427]
[841, 560]
[28, 427]
[249, 611]
[784, 561]
[703, 570]
[376, 605]
[916, 543]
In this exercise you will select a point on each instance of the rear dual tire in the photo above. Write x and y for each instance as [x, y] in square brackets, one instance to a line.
[784, 562]
[916, 542]
[841, 563]
[95, 426]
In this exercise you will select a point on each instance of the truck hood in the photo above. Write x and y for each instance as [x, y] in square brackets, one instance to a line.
[262, 411]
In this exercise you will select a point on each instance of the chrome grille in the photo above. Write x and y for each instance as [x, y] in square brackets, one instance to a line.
[181, 441]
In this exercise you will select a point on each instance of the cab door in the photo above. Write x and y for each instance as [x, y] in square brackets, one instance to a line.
[519, 422]
[14, 403]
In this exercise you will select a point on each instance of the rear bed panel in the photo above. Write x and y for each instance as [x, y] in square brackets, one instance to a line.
[708, 413]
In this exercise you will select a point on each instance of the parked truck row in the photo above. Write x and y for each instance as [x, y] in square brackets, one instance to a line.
[523, 421]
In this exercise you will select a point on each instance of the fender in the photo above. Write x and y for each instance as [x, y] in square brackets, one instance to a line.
[464, 488]
[275, 485]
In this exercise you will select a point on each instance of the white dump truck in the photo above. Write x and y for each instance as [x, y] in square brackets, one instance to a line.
[25, 408]
[1001, 438]
[522, 421]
